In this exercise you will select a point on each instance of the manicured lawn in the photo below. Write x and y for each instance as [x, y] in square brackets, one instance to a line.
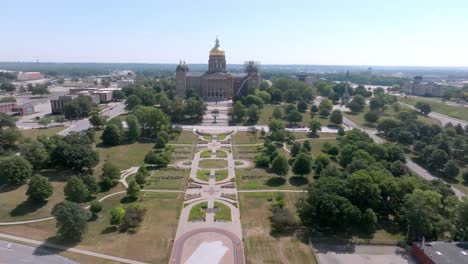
[389, 113]
[265, 115]
[185, 137]
[205, 154]
[256, 178]
[156, 231]
[207, 137]
[203, 175]
[221, 136]
[238, 163]
[168, 178]
[197, 213]
[213, 163]
[303, 135]
[33, 133]
[221, 154]
[317, 144]
[442, 108]
[182, 152]
[244, 137]
[223, 213]
[246, 152]
[221, 174]
[267, 112]
[260, 246]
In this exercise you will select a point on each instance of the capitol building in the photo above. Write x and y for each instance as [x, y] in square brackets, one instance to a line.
[216, 84]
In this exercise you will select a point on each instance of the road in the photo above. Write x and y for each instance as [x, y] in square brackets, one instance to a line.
[114, 110]
[420, 171]
[444, 119]
[11, 252]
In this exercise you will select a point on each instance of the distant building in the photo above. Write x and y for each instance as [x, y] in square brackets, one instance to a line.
[123, 83]
[440, 252]
[7, 107]
[58, 104]
[28, 76]
[421, 88]
[103, 95]
[24, 109]
[303, 78]
[216, 84]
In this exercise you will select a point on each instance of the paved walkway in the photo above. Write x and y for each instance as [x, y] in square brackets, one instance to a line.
[71, 249]
[191, 236]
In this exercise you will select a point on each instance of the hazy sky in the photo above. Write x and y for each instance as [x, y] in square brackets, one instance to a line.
[347, 32]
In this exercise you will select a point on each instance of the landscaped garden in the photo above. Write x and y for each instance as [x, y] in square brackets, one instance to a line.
[198, 213]
[223, 212]
[203, 175]
[213, 163]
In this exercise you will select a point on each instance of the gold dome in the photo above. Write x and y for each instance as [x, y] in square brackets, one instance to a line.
[216, 50]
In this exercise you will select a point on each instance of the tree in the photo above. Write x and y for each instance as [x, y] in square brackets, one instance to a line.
[97, 121]
[111, 136]
[302, 165]
[40, 89]
[72, 220]
[39, 189]
[325, 104]
[134, 128]
[75, 190]
[7, 121]
[307, 146]
[152, 120]
[368, 220]
[60, 119]
[95, 207]
[238, 111]
[420, 212]
[140, 178]
[134, 215]
[158, 158]
[15, 170]
[294, 116]
[302, 106]
[74, 151]
[252, 99]
[8, 87]
[295, 149]
[253, 113]
[423, 107]
[371, 117]
[462, 219]
[90, 181]
[266, 97]
[35, 153]
[280, 165]
[438, 159]
[336, 117]
[117, 215]
[282, 220]
[357, 104]
[110, 175]
[451, 169]
[398, 168]
[277, 113]
[133, 101]
[133, 190]
[262, 161]
[314, 127]
[377, 103]
[79, 107]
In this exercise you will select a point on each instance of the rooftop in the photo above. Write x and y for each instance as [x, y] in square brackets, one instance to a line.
[446, 252]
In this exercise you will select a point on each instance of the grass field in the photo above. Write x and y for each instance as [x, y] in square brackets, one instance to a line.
[33, 133]
[213, 163]
[317, 144]
[260, 246]
[203, 175]
[185, 137]
[168, 178]
[207, 137]
[244, 137]
[152, 241]
[223, 213]
[246, 152]
[442, 108]
[221, 174]
[255, 178]
[197, 213]
[205, 154]
[221, 154]
[389, 113]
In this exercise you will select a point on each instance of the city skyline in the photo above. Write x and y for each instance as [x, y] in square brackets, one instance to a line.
[420, 33]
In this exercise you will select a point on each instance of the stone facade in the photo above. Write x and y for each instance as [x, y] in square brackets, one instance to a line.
[420, 88]
[216, 84]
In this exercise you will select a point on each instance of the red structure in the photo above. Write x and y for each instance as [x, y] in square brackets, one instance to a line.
[420, 255]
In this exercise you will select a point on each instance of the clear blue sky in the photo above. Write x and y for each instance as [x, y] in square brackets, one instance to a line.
[332, 32]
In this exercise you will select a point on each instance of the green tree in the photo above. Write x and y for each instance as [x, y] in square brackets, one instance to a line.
[423, 107]
[451, 169]
[112, 135]
[238, 112]
[314, 127]
[132, 102]
[325, 104]
[302, 165]
[302, 106]
[75, 190]
[295, 149]
[15, 170]
[8, 87]
[294, 117]
[133, 217]
[45, 121]
[371, 117]
[39, 189]
[134, 128]
[262, 161]
[110, 175]
[95, 207]
[133, 190]
[253, 113]
[35, 153]
[97, 121]
[336, 117]
[462, 219]
[277, 113]
[40, 89]
[72, 220]
[117, 215]
[357, 104]
[307, 146]
[280, 165]
[152, 120]
[368, 220]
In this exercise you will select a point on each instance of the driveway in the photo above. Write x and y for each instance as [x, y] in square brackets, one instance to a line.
[11, 253]
[361, 254]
